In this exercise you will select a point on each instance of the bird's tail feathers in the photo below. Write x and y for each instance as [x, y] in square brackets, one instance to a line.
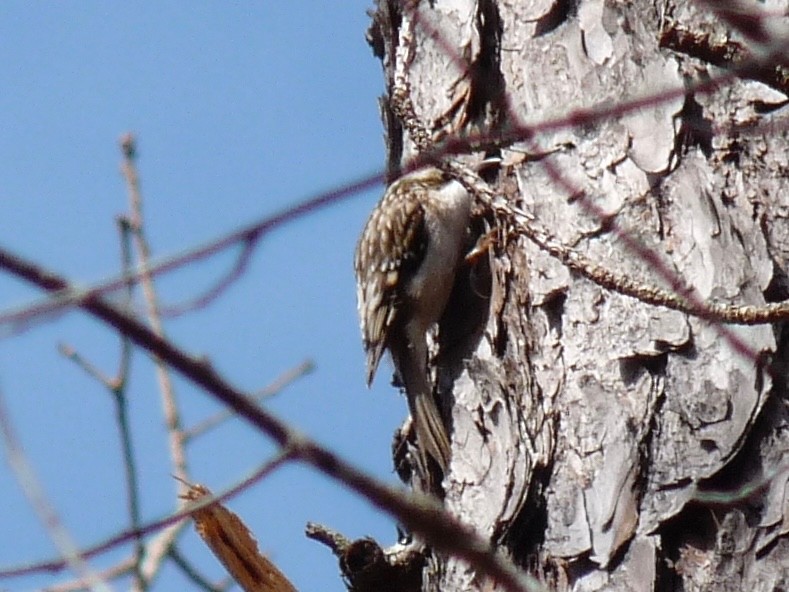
[430, 431]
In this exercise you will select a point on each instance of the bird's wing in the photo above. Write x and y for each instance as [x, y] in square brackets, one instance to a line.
[392, 248]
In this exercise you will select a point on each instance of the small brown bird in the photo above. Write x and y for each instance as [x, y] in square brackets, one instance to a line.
[405, 263]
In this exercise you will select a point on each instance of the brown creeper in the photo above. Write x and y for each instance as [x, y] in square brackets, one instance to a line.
[405, 262]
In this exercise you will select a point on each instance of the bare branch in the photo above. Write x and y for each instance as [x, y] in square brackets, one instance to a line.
[126, 267]
[169, 399]
[336, 541]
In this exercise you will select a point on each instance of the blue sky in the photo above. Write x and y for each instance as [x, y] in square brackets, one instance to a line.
[240, 109]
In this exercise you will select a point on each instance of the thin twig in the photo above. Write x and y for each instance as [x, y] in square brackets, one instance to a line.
[54, 565]
[279, 383]
[68, 352]
[33, 490]
[166, 389]
[108, 575]
[219, 287]
[122, 415]
[126, 266]
[198, 579]
[132, 485]
[748, 490]
[169, 399]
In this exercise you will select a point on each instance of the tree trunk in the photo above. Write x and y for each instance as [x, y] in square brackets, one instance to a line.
[586, 425]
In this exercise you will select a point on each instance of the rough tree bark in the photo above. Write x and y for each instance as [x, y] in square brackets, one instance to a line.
[586, 425]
